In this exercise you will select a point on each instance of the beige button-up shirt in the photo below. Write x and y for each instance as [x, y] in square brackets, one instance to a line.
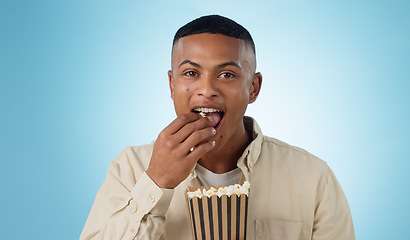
[294, 195]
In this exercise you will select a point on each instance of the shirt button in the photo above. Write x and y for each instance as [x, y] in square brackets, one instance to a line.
[151, 198]
[133, 231]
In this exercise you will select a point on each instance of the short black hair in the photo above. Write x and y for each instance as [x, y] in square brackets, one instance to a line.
[215, 24]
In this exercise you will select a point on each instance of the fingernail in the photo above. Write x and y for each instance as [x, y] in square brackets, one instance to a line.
[213, 131]
[213, 143]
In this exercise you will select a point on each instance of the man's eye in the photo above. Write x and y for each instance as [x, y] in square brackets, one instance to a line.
[191, 74]
[227, 75]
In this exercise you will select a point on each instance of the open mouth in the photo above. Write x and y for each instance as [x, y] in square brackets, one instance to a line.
[216, 114]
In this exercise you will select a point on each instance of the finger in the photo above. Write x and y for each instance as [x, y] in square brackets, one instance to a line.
[199, 151]
[191, 128]
[180, 122]
[196, 138]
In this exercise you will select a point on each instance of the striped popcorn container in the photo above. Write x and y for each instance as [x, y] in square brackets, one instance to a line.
[217, 217]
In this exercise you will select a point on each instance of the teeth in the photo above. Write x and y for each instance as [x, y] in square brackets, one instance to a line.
[206, 110]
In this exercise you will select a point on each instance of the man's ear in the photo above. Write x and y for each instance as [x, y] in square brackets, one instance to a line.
[255, 87]
[171, 83]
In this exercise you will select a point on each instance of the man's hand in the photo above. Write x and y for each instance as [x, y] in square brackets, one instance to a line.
[172, 159]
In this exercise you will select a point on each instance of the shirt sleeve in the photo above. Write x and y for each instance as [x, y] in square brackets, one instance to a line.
[333, 219]
[122, 213]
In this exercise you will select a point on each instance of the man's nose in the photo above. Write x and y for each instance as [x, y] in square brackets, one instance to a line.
[208, 87]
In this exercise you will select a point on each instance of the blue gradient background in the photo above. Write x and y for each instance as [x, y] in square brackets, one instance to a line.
[81, 80]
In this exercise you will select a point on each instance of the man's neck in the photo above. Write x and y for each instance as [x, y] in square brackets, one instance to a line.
[226, 159]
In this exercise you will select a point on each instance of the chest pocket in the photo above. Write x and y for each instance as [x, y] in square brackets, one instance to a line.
[282, 230]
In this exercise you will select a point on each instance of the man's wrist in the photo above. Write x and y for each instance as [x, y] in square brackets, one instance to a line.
[158, 181]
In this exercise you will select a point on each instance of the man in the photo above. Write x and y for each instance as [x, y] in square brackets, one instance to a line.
[294, 195]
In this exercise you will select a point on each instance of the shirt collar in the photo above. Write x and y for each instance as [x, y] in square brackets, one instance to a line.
[251, 154]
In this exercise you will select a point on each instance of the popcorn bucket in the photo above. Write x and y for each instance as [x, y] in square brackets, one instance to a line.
[218, 217]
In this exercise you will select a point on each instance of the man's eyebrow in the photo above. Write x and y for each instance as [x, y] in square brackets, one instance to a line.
[186, 61]
[228, 64]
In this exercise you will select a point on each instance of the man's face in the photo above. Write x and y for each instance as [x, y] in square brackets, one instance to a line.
[214, 73]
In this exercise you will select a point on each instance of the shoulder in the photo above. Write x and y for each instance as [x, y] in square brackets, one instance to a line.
[297, 166]
[286, 154]
[135, 152]
[131, 163]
